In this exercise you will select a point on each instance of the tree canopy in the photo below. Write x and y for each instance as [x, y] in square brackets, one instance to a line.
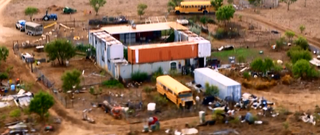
[172, 4]
[41, 103]
[4, 53]
[302, 28]
[30, 11]
[289, 34]
[217, 3]
[262, 65]
[225, 13]
[302, 42]
[61, 50]
[141, 9]
[303, 69]
[70, 79]
[96, 4]
[297, 53]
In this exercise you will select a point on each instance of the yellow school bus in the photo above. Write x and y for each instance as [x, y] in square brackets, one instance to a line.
[203, 7]
[175, 91]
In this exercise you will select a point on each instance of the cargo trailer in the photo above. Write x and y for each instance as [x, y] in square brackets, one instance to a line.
[226, 86]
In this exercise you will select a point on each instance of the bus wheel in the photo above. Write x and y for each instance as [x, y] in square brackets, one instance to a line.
[178, 12]
[205, 12]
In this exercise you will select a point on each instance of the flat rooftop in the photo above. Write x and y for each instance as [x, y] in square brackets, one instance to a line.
[107, 38]
[162, 45]
[122, 29]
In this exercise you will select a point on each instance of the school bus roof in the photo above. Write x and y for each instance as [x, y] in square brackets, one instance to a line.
[172, 84]
[195, 3]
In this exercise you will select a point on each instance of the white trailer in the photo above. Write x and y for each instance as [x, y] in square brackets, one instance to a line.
[227, 86]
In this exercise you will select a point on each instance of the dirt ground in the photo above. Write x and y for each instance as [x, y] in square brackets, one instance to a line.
[302, 96]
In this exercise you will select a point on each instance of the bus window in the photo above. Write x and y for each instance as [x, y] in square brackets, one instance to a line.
[184, 95]
[164, 87]
[192, 6]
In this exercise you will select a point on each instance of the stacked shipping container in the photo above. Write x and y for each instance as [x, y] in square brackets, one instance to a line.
[162, 52]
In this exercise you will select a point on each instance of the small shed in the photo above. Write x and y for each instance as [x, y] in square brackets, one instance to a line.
[227, 86]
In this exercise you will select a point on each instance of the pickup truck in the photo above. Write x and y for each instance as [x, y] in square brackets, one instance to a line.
[109, 20]
[20, 25]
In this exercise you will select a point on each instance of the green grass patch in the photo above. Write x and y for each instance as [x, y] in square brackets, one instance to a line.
[248, 54]
[112, 84]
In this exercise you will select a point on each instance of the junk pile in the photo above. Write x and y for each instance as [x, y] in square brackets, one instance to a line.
[153, 125]
[21, 99]
[307, 118]
[114, 110]
[250, 100]
[250, 119]
[85, 116]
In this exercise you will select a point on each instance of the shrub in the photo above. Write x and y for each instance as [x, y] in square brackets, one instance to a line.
[217, 115]
[139, 76]
[211, 21]
[220, 33]
[112, 84]
[173, 72]
[159, 72]
[148, 90]
[317, 109]
[16, 113]
[236, 120]
[286, 125]
[287, 80]
[246, 75]
[303, 69]
[211, 90]
[160, 100]
[195, 30]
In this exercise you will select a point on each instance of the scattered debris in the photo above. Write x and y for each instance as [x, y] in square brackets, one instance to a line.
[225, 132]
[307, 118]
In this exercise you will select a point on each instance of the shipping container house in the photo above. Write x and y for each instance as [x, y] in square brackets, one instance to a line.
[107, 49]
[162, 52]
[226, 86]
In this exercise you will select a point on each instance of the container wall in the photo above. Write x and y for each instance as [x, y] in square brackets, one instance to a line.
[127, 70]
[224, 91]
[116, 51]
[204, 48]
[149, 55]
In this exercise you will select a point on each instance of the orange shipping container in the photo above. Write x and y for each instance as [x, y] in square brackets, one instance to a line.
[162, 52]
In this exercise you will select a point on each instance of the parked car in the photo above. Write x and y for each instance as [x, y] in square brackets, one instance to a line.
[183, 21]
[67, 10]
[20, 25]
[109, 20]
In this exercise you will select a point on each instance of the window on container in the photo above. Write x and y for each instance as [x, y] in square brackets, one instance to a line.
[173, 65]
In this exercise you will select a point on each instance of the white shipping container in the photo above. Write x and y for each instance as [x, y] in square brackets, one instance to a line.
[204, 48]
[116, 51]
[226, 86]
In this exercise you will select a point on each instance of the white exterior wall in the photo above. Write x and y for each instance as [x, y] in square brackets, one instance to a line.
[116, 51]
[127, 70]
[204, 48]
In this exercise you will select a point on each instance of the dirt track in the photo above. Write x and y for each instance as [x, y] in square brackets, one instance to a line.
[276, 26]
[72, 124]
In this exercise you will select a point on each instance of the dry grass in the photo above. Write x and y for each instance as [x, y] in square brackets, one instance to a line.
[287, 80]
[259, 84]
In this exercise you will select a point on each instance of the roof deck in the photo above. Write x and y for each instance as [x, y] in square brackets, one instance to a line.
[123, 29]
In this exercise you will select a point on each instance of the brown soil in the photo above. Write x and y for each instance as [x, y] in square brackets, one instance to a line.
[300, 96]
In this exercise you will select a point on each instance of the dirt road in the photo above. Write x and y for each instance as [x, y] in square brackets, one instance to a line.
[280, 28]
